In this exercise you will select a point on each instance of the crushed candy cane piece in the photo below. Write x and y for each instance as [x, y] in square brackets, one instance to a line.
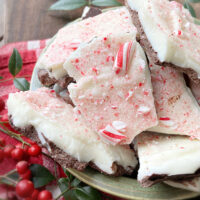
[167, 121]
[111, 135]
[123, 57]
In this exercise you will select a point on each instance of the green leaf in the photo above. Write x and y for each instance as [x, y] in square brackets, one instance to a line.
[69, 176]
[190, 8]
[68, 4]
[87, 193]
[63, 184]
[14, 176]
[104, 3]
[15, 63]
[22, 84]
[41, 176]
[10, 179]
[194, 1]
[75, 182]
[1, 77]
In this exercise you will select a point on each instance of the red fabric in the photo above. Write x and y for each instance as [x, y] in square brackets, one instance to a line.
[29, 52]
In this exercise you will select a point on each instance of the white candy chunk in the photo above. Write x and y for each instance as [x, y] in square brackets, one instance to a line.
[60, 124]
[69, 38]
[144, 109]
[178, 111]
[171, 31]
[128, 91]
[119, 125]
[168, 155]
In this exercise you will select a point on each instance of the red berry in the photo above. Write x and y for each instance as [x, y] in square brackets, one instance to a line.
[2, 142]
[2, 104]
[34, 196]
[8, 149]
[22, 166]
[34, 150]
[1, 155]
[45, 195]
[17, 154]
[26, 175]
[24, 188]
[23, 147]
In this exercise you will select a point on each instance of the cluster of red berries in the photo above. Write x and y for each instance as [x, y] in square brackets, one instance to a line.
[20, 153]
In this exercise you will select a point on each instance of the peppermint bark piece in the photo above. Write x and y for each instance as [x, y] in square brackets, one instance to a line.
[70, 142]
[68, 39]
[116, 98]
[166, 157]
[168, 34]
[177, 109]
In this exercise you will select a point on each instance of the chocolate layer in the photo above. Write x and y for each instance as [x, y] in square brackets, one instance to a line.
[156, 178]
[62, 157]
[152, 55]
[47, 80]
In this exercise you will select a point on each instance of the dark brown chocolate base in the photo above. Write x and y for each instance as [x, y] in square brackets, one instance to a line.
[63, 158]
[156, 178]
[151, 54]
[46, 80]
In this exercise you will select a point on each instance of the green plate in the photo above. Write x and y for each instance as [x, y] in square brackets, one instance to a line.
[123, 187]
[129, 188]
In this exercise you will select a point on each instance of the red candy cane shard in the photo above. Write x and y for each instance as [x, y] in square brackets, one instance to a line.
[111, 135]
[123, 58]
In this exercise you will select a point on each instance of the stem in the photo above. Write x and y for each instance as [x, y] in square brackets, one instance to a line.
[14, 135]
[11, 172]
[55, 169]
[67, 190]
[9, 179]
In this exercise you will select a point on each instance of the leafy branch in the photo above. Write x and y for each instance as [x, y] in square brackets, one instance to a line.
[75, 4]
[15, 66]
[12, 134]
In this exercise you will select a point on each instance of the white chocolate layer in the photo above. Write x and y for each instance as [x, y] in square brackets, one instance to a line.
[103, 96]
[71, 36]
[164, 154]
[61, 125]
[171, 31]
[177, 109]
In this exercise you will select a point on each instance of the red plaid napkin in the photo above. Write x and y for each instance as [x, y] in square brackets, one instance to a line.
[29, 52]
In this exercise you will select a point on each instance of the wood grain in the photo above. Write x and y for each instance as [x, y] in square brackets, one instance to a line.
[2, 21]
[30, 20]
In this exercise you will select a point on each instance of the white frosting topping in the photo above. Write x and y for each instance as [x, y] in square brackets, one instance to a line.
[178, 111]
[104, 88]
[61, 125]
[164, 154]
[171, 31]
[71, 36]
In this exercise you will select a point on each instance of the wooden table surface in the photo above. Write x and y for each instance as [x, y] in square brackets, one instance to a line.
[22, 20]
[27, 20]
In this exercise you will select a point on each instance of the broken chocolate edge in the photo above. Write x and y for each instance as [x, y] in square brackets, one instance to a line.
[63, 158]
[152, 55]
